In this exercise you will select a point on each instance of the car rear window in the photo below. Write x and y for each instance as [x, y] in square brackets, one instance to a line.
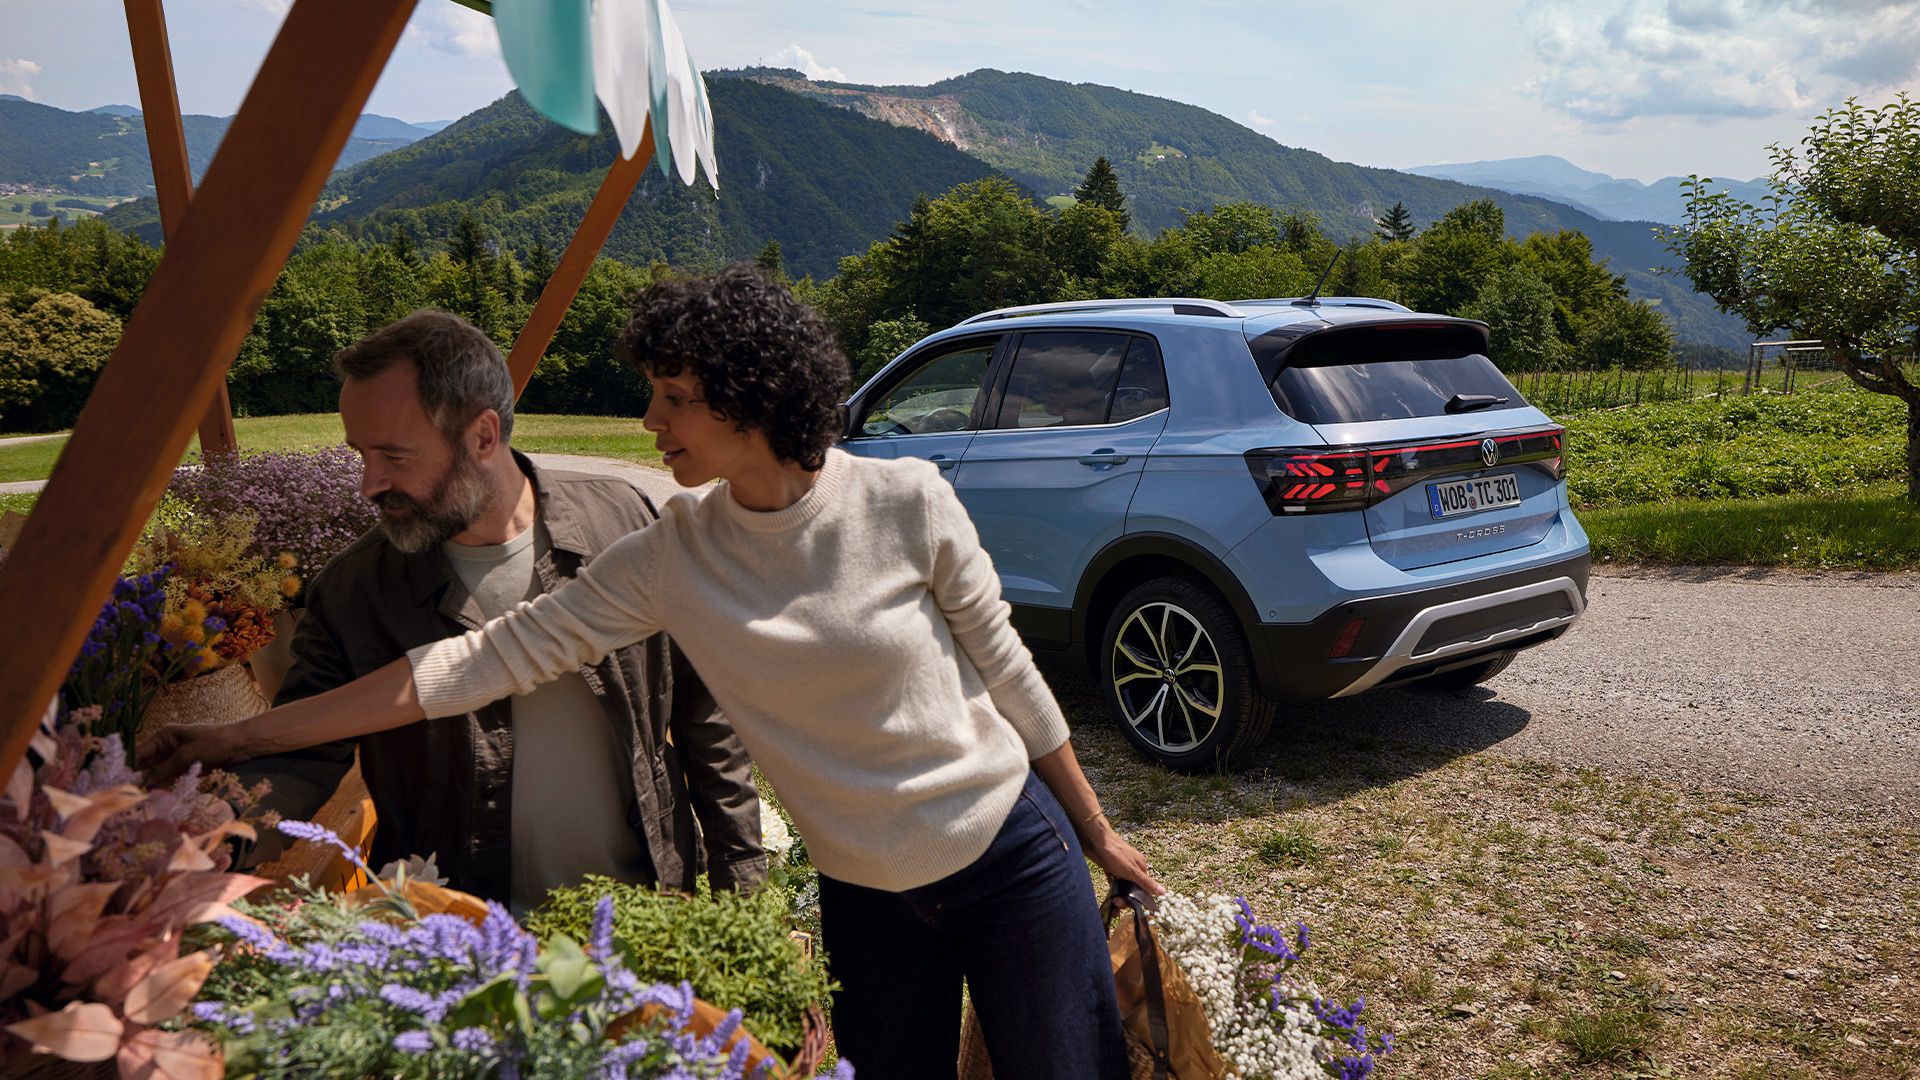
[1350, 378]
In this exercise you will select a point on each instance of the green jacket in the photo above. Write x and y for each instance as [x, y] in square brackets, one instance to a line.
[445, 786]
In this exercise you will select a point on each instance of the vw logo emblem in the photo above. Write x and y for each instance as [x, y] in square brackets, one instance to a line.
[1489, 452]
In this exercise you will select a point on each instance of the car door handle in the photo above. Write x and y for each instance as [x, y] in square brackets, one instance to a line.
[1103, 457]
[944, 461]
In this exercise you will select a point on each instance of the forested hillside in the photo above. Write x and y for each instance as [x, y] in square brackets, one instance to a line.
[823, 182]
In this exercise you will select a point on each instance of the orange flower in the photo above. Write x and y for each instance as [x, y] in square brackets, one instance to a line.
[286, 561]
[290, 585]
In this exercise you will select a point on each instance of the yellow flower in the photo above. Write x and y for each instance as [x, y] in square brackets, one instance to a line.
[193, 613]
[290, 585]
[195, 632]
[287, 561]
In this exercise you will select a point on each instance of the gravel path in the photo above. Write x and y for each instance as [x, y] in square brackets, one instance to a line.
[1790, 685]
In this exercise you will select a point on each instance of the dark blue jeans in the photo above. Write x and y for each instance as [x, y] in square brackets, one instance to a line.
[1020, 925]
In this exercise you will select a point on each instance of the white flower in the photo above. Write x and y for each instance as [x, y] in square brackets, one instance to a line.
[1255, 1041]
[415, 868]
[775, 837]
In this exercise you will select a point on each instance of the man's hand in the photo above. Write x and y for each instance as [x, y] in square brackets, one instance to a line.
[1111, 852]
[172, 751]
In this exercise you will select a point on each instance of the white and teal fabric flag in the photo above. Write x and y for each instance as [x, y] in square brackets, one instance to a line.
[626, 53]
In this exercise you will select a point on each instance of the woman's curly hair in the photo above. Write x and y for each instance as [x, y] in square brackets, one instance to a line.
[764, 360]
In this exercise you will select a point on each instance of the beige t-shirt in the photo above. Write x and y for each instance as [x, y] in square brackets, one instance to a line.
[570, 792]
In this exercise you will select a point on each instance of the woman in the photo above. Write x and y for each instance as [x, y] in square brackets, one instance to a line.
[849, 624]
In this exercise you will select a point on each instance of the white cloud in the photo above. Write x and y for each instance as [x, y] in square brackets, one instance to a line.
[1254, 119]
[451, 28]
[793, 56]
[1615, 60]
[276, 8]
[16, 76]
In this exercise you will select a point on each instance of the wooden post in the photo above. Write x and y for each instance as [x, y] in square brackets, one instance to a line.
[178, 343]
[587, 241]
[172, 178]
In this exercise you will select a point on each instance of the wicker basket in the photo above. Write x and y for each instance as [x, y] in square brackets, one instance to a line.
[225, 695]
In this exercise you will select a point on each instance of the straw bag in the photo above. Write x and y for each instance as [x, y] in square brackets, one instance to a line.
[1166, 1029]
[225, 695]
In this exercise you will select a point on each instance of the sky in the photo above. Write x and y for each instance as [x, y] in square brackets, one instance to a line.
[1632, 88]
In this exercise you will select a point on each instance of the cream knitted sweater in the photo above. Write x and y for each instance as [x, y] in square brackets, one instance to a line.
[856, 639]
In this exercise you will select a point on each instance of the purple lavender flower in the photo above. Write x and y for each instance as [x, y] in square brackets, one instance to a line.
[308, 502]
[477, 1041]
[413, 1042]
[307, 830]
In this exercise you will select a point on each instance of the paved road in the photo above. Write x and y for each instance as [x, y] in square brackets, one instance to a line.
[1788, 684]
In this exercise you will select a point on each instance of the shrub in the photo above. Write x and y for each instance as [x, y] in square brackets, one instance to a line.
[733, 949]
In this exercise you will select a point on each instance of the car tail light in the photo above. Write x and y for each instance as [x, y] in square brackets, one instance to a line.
[1343, 644]
[1311, 481]
[1307, 481]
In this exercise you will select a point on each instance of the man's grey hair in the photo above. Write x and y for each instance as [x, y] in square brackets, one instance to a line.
[460, 370]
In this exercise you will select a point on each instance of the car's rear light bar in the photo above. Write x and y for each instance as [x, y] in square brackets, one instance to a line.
[1319, 481]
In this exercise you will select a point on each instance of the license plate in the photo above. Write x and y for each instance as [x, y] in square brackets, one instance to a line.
[1456, 497]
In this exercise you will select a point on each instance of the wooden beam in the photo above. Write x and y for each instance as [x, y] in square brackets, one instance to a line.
[172, 177]
[177, 345]
[585, 246]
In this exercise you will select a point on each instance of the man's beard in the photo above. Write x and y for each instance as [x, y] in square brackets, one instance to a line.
[459, 499]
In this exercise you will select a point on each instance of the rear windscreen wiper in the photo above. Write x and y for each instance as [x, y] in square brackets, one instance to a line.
[1468, 402]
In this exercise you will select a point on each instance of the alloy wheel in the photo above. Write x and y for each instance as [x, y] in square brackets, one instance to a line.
[1167, 676]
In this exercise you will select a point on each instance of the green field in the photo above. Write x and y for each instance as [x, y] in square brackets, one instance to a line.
[598, 436]
[10, 216]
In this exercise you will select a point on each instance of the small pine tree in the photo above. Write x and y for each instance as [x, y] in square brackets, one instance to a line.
[1101, 188]
[770, 260]
[469, 246]
[540, 267]
[403, 248]
[1396, 224]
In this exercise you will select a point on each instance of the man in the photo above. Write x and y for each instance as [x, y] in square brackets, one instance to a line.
[603, 771]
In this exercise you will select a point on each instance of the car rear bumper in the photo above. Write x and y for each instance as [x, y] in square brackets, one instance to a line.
[1410, 635]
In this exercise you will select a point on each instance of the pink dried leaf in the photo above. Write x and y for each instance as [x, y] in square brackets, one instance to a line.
[189, 858]
[200, 897]
[20, 789]
[170, 1055]
[101, 806]
[61, 850]
[73, 915]
[113, 987]
[116, 939]
[65, 803]
[168, 988]
[15, 978]
[83, 1031]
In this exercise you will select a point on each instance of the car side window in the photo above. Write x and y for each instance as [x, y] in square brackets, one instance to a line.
[1142, 388]
[937, 395]
[1061, 379]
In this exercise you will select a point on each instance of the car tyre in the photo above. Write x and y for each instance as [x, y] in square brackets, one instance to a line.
[1466, 678]
[1178, 676]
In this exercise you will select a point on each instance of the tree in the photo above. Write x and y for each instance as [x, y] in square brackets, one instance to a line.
[887, 339]
[1832, 254]
[540, 266]
[771, 260]
[1101, 188]
[1627, 334]
[1517, 305]
[1456, 257]
[51, 347]
[1396, 224]
[1231, 228]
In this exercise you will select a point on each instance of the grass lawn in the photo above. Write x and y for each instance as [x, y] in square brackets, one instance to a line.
[1869, 527]
[1522, 921]
[600, 436]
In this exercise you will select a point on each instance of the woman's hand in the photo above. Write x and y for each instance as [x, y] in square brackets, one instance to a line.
[172, 751]
[1111, 852]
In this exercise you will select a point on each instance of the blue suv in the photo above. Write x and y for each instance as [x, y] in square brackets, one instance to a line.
[1216, 508]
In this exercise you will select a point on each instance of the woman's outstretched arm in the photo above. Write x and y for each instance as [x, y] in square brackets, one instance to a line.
[378, 701]
[1106, 847]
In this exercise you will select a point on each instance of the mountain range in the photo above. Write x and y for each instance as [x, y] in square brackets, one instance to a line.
[1603, 196]
[828, 168]
[103, 151]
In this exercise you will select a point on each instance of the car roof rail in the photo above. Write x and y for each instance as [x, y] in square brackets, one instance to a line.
[1181, 305]
[1325, 301]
